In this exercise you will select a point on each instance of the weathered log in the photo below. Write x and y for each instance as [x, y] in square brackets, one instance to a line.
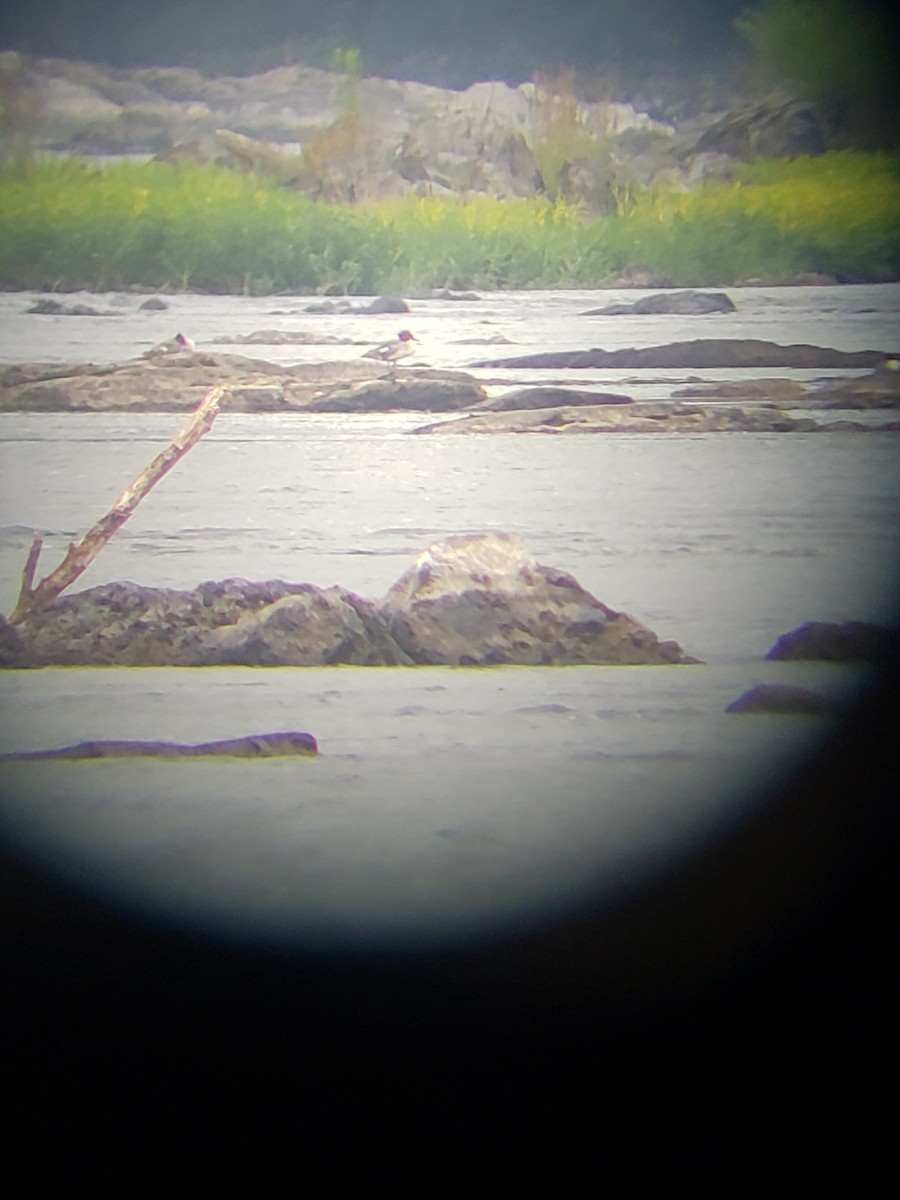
[262, 745]
[81, 554]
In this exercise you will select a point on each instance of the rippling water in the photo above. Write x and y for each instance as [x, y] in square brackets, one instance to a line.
[444, 801]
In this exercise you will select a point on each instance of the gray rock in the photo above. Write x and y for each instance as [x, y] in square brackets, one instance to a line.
[154, 304]
[846, 641]
[684, 303]
[385, 304]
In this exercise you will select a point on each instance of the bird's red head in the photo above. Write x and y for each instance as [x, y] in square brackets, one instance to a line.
[406, 336]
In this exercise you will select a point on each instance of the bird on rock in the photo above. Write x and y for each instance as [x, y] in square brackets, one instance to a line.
[173, 346]
[391, 352]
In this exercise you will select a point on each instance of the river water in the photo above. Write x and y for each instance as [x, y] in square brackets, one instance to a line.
[445, 803]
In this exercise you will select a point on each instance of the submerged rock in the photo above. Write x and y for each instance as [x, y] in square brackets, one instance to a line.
[477, 599]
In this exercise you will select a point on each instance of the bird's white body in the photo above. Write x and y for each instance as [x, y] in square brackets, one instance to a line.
[390, 352]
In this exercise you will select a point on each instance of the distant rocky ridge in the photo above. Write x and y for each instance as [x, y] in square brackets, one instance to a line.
[398, 137]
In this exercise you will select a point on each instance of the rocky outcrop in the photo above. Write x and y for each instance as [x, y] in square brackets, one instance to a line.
[177, 381]
[847, 641]
[470, 600]
[700, 353]
[298, 125]
[391, 137]
[684, 303]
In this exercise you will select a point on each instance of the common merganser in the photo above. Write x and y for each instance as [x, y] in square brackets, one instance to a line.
[173, 346]
[393, 351]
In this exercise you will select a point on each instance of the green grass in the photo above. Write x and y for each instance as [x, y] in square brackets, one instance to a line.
[66, 225]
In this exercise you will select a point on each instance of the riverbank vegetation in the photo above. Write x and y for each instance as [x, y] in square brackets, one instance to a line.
[66, 225]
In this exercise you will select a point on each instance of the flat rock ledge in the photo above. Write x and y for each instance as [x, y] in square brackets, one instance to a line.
[471, 600]
[699, 353]
[177, 382]
[260, 745]
[654, 417]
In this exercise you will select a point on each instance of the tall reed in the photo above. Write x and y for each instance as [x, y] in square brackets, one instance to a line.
[66, 225]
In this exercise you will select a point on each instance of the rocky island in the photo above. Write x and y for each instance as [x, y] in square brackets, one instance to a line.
[471, 600]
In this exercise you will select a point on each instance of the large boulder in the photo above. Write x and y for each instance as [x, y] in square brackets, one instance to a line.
[479, 600]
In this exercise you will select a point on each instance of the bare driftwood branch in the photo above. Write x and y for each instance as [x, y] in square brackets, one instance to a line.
[81, 554]
[31, 564]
